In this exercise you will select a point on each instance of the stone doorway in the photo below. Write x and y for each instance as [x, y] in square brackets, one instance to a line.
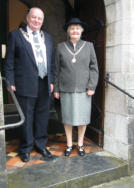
[119, 118]
[57, 13]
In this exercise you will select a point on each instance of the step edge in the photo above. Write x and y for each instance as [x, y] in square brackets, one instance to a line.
[92, 174]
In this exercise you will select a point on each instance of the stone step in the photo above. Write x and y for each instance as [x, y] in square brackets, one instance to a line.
[75, 172]
[11, 114]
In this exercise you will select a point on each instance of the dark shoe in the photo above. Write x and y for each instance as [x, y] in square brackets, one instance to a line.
[81, 151]
[45, 153]
[25, 157]
[68, 151]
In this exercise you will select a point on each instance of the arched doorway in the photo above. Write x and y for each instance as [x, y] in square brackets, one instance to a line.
[93, 13]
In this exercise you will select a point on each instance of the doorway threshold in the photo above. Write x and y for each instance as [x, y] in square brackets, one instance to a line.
[56, 145]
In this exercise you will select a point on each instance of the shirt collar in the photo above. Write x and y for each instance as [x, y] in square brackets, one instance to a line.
[29, 30]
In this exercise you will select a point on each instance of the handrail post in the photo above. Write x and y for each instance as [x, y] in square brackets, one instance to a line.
[22, 118]
[107, 78]
[3, 172]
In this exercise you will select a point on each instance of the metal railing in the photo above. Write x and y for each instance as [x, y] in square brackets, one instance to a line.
[111, 83]
[22, 118]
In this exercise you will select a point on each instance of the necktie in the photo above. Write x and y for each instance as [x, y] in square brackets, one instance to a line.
[39, 56]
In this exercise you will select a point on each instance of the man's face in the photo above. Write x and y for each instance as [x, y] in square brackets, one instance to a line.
[35, 19]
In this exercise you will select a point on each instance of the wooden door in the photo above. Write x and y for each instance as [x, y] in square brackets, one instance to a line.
[3, 39]
[93, 13]
[15, 16]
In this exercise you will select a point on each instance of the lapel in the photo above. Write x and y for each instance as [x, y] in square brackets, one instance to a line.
[47, 48]
[28, 47]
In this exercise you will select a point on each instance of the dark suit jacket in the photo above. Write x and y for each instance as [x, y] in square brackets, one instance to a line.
[20, 65]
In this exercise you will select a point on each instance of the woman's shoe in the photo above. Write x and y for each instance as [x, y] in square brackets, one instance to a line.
[81, 151]
[68, 150]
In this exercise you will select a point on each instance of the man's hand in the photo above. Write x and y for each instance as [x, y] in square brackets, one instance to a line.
[13, 88]
[51, 88]
[57, 95]
[90, 92]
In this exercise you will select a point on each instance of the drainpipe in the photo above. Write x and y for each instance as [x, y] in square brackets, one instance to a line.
[3, 171]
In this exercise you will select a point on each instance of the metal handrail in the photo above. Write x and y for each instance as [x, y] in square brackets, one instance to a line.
[22, 117]
[111, 83]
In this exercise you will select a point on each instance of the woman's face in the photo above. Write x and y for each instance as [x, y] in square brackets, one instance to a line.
[75, 31]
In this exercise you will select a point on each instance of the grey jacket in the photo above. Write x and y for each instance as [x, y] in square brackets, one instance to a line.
[79, 76]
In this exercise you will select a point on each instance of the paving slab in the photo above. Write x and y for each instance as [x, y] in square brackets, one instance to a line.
[75, 172]
[125, 182]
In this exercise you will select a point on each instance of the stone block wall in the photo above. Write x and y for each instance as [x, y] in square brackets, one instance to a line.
[3, 173]
[119, 108]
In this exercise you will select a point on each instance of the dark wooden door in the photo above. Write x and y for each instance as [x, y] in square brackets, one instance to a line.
[3, 38]
[15, 15]
[93, 13]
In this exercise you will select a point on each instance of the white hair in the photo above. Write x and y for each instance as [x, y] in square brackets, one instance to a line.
[29, 11]
[82, 29]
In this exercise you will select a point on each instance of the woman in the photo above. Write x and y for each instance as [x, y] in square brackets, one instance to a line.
[76, 79]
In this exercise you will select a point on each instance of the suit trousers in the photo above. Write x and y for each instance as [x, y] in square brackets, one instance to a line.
[36, 112]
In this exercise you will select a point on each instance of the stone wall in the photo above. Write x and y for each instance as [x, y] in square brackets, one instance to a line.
[119, 109]
[3, 177]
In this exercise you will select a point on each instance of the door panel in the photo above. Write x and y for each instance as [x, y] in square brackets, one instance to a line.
[16, 15]
[93, 13]
[3, 38]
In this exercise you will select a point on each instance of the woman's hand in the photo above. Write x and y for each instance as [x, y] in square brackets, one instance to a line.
[90, 92]
[57, 95]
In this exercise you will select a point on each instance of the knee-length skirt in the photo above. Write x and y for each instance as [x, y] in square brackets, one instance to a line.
[75, 108]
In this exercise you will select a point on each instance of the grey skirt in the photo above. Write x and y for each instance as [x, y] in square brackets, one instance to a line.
[75, 108]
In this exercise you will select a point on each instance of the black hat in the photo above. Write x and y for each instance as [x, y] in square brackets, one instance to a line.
[74, 21]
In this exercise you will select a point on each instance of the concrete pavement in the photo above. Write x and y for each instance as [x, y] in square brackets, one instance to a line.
[126, 182]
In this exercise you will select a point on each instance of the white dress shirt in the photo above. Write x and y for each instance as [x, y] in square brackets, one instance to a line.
[42, 44]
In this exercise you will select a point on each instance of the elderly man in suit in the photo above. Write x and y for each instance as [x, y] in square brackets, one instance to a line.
[29, 67]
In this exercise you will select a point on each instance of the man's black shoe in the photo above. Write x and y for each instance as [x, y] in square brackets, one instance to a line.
[45, 153]
[25, 157]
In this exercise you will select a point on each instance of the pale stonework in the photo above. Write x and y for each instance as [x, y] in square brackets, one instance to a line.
[119, 108]
[3, 174]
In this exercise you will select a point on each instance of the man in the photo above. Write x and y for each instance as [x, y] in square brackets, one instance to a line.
[29, 67]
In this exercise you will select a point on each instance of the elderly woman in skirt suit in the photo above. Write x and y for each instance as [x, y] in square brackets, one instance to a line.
[76, 79]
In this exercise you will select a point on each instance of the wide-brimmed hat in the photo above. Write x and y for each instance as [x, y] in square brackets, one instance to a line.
[74, 21]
